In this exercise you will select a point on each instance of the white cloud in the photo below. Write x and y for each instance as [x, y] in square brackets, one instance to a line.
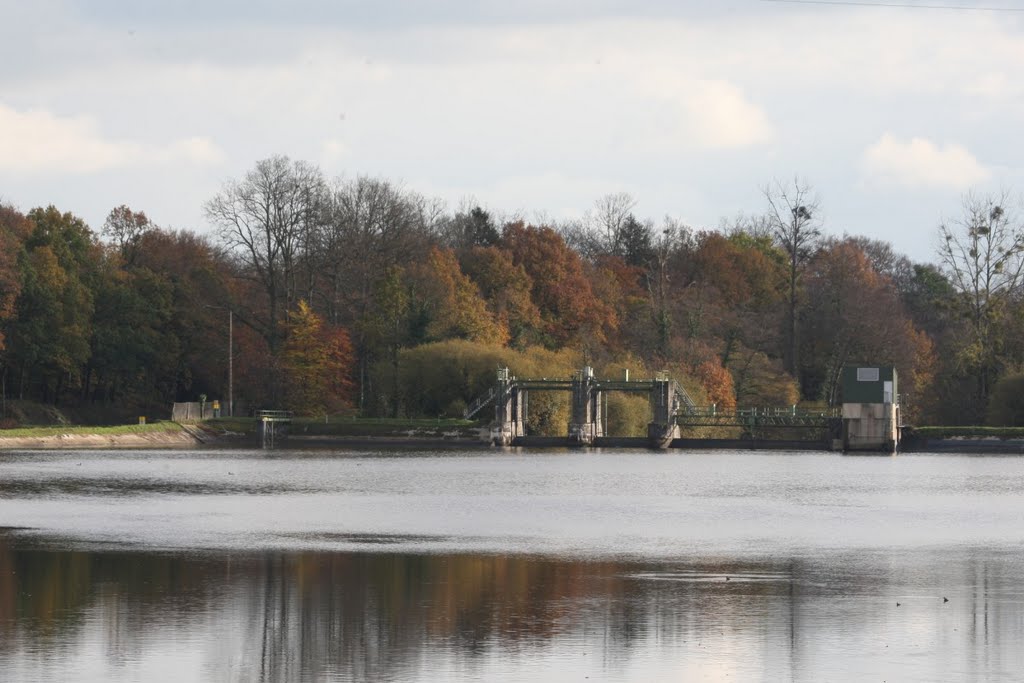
[921, 163]
[723, 118]
[333, 151]
[38, 141]
[690, 111]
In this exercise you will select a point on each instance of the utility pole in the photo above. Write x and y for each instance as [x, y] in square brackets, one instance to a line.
[231, 356]
[231, 363]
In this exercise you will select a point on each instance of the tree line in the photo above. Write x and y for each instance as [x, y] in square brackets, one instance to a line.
[360, 295]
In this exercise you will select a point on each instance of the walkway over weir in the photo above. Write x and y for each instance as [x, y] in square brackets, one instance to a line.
[588, 396]
[671, 409]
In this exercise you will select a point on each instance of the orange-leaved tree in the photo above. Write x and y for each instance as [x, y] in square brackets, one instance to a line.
[505, 287]
[571, 314]
[317, 363]
[451, 303]
[717, 381]
[853, 315]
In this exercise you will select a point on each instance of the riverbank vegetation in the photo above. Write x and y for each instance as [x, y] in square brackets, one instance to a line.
[359, 296]
[969, 432]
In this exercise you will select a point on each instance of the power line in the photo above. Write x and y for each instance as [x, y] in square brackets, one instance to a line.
[903, 5]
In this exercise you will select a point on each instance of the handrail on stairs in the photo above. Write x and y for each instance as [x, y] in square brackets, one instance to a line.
[479, 403]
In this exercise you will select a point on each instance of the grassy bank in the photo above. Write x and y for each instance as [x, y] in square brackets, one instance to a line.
[969, 432]
[83, 430]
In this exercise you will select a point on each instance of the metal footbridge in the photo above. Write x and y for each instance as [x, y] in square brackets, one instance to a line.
[753, 418]
[272, 425]
[673, 411]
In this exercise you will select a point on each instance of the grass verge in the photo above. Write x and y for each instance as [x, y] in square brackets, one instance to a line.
[969, 432]
[56, 430]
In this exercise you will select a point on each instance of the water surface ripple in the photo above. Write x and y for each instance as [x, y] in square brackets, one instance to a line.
[508, 566]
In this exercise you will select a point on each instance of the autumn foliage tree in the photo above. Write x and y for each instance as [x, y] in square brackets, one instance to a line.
[451, 302]
[50, 337]
[854, 315]
[125, 228]
[620, 287]
[14, 228]
[764, 312]
[718, 384]
[759, 381]
[317, 364]
[505, 288]
[741, 285]
[571, 314]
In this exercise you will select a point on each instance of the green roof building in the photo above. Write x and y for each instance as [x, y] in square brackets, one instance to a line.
[866, 384]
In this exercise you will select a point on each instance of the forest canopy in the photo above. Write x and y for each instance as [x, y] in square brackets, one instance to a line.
[361, 296]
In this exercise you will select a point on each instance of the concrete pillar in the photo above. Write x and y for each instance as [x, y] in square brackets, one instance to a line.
[585, 423]
[509, 409]
[597, 411]
[519, 401]
[663, 428]
[871, 427]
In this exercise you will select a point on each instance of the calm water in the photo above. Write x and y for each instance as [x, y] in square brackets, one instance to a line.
[490, 566]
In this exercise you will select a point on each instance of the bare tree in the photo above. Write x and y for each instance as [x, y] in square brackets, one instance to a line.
[672, 236]
[982, 252]
[580, 237]
[374, 226]
[793, 214]
[756, 226]
[606, 228]
[269, 220]
[610, 217]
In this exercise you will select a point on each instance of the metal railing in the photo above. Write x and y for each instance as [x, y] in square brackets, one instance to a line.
[479, 403]
[711, 416]
[274, 415]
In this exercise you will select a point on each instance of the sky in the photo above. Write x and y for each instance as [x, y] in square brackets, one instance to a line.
[537, 108]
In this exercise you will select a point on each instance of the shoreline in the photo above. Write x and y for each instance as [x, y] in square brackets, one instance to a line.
[64, 442]
[184, 437]
[193, 436]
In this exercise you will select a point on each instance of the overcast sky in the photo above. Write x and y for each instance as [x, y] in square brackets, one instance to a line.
[538, 107]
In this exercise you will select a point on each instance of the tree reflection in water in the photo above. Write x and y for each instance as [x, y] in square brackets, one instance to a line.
[359, 616]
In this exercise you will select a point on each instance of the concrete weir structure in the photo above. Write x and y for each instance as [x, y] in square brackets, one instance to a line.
[871, 409]
[587, 421]
[588, 396]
